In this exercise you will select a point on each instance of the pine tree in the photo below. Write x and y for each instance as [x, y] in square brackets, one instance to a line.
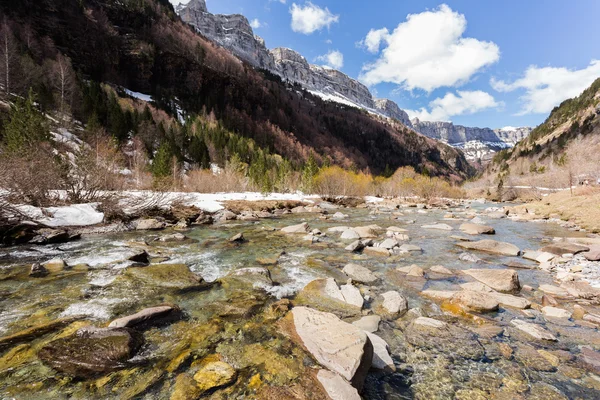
[27, 126]
[163, 161]
[198, 152]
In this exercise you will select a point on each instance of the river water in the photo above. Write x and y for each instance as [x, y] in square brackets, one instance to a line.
[236, 322]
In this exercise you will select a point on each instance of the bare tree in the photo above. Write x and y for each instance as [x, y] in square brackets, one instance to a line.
[8, 55]
[63, 80]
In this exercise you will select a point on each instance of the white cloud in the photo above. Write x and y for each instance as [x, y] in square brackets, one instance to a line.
[467, 102]
[255, 23]
[311, 18]
[547, 87]
[374, 39]
[334, 59]
[329, 41]
[427, 52]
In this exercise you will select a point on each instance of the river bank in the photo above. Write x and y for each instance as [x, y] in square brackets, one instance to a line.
[453, 300]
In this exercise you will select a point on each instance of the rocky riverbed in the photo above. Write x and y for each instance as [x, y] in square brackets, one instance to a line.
[382, 301]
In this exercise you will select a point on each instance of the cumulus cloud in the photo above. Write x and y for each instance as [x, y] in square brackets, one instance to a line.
[334, 59]
[310, 18]
[461, 103]
[255, 23]
[547, 87]
[427, 51]
[374, 39]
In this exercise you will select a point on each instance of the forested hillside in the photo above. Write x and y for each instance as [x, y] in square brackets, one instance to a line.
[76, 56]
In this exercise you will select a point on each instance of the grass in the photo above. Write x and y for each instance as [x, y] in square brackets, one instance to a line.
[582, 208]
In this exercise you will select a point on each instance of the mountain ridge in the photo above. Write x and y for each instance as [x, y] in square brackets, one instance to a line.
[234, 33]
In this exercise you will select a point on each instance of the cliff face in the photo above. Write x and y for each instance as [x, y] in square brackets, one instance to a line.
[230, 31]
[234, 33]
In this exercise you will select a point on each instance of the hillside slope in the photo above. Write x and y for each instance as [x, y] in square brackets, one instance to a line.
[563, 151]
[143, 46]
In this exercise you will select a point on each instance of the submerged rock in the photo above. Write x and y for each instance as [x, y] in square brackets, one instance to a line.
[213, 375]
[492, 246]
[441, 227]
[168, 276]
[92, 351]
[148, 317]
[341, 347]
[502, 280]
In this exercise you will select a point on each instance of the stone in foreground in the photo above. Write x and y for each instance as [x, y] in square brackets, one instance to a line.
[392, 305]
[336, 387]
[370, 323]
[300, 228]
[492, 246]
[479, 302]
[565, 248]
[502, 280]
[381, 356]
[339, 346]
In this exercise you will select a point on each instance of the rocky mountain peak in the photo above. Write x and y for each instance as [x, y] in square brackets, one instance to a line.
[391, 109]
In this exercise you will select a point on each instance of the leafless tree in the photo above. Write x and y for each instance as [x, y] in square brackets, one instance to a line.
[63, 80]
[8, 55]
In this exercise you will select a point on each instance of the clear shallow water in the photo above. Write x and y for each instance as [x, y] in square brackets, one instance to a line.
[102, 290]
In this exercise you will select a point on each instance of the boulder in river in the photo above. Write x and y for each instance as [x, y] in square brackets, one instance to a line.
[92, 351]
[476, 229]
[381, 355]
[560, 248]
[149, 224]
[325, 295]
[359, 273]
[350, 234]
[593, 254]
[237, 238]
[391, 305]
[355, 246]
[38, 271]
[555, 312]
[369, 323]
[169, 276]
[492, 246]
[502, 280]
[440, 227]
[534, 330]
[300, 228]
[479, 302]
[336, 387]
[337, 345]
[148, 317]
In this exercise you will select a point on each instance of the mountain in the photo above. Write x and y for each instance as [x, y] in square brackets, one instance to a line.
[476, 143]
[143, 46]
[233, 32]
[559, 152]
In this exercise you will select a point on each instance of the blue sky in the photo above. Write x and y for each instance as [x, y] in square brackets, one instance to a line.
[475, 63]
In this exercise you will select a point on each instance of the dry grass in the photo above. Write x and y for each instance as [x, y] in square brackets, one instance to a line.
[583, 208]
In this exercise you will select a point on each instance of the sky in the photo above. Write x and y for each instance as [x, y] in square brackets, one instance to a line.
[475, 63]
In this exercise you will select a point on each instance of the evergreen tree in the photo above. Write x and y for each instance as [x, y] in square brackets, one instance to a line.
[310, 170]
[198, 152]
[27, 126]
[163, 161]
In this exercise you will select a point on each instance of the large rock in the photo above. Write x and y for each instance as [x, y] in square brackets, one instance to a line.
[336, 387]
[325, 295]
[300, 228]
[533, 330]
[92, 351]
[352, 295]
[359, 274]
[593, 254]
[508, 300]
[554, 290]
[479, 302]
[502, 280]
[492, 246]
[381, 355]
[148, 317]
[366, 232]
[376, 251]
[150, 224]
[391, 305]
[565, 248]
[476, 229]
[555, 312]
[338, 346]
[369, 323]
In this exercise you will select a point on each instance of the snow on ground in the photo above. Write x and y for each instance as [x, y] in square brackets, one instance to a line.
[73, 215]
[137, 95]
